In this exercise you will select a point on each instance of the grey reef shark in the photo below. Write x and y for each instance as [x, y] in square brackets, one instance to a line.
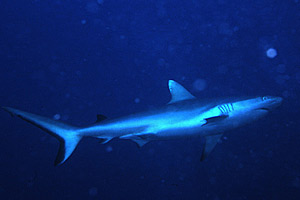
[183, 117]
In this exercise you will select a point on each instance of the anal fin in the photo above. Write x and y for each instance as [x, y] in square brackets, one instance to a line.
[209, 145]
[139, 139]
[104, 140]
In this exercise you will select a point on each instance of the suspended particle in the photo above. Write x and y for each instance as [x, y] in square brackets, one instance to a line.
[56, 116]
[271, 53]
[199, 84]
[93, 191]
[137, 100]
[109, 149]
[100, 2]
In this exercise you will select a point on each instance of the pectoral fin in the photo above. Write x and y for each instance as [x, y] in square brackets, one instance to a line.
[214, 119]
[209, 145]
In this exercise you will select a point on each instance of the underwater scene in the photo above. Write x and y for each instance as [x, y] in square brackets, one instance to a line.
[150, 100]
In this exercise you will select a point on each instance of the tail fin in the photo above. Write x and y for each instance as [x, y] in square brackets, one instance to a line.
[67, 135]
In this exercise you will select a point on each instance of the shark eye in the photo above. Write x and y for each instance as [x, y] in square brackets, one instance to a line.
[264, 98]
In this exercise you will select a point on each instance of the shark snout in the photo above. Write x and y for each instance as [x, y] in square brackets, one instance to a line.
[277, 101]
[273, 102]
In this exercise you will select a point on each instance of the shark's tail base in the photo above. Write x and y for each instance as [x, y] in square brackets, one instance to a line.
[67, 135]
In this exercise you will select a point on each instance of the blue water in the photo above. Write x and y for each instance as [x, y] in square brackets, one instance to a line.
[74, 59]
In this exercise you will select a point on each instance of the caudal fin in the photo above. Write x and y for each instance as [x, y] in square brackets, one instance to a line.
[67, 135]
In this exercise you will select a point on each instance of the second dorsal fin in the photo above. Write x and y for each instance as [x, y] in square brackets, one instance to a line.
[178, 92]
[100, 118]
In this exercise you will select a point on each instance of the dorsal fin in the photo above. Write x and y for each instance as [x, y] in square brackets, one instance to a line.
[178, 92]
[100, 118]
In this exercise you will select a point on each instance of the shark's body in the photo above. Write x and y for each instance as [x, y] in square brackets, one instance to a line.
[183, 116]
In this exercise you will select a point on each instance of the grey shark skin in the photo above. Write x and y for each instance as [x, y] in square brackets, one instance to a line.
[182, 117]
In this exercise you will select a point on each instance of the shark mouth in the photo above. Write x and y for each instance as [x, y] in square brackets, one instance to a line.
[265, 109]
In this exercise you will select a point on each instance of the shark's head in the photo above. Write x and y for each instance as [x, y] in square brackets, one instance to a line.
[260, 104]
[229, 114]
[240, 112]
[254, 108]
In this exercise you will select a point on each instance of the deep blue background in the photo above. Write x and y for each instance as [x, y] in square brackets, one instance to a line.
[79, 58]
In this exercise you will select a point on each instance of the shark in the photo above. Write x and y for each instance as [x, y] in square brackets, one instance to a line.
[183, 117]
